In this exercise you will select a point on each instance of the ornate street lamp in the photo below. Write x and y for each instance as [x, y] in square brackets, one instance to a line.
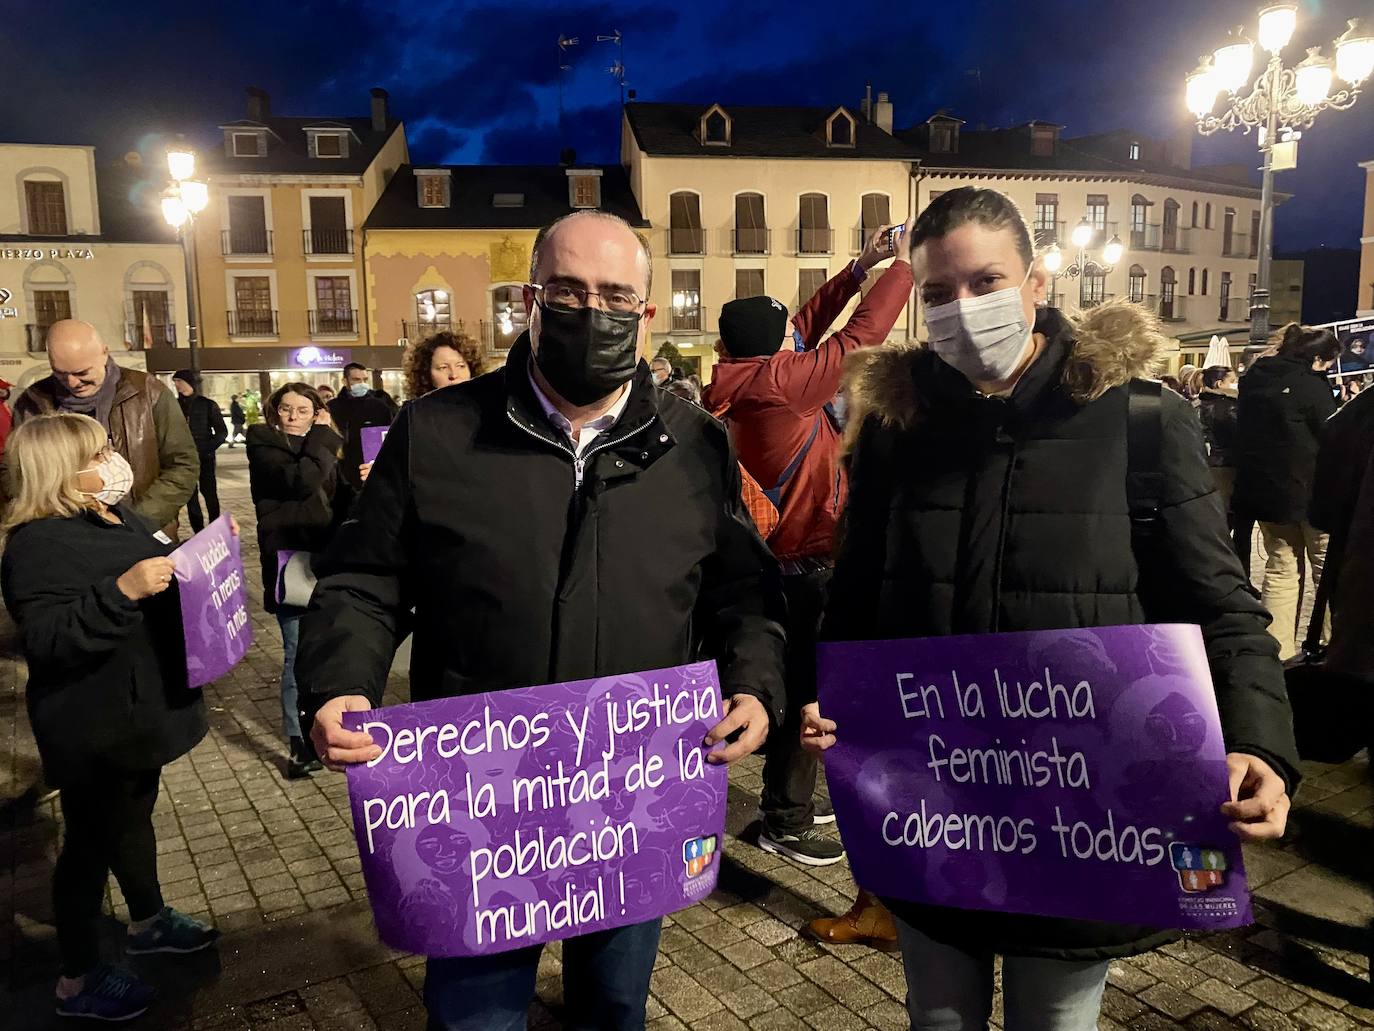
[182, 201]
[1083, 264]
[1281, 103]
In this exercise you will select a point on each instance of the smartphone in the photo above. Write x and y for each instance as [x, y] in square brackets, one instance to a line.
[894, 236]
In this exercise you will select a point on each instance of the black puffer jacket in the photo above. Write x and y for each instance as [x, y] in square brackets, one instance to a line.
[1217, 410]
[107, 676]
[1283, 410]
[293, 482]
[972, 515]
[470, 515]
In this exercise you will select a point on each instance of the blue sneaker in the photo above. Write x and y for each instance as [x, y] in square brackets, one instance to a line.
[109, 994]
[172, 932]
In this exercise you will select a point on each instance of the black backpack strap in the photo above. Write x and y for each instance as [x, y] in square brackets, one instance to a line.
[1144, 442]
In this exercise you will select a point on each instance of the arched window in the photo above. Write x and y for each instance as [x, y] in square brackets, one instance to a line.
[1167, 286]
[751, 231]
[1192, 281]
[433, 312]
[1137, 284]
[1169, 229]
[1204, 282]
[874, 211]
[1194, 223]
[813, 224]
[508, 316]
[685, 234]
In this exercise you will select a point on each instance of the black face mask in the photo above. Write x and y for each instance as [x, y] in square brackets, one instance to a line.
[585, 353]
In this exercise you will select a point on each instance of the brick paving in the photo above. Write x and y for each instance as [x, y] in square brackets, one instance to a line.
[273, 864]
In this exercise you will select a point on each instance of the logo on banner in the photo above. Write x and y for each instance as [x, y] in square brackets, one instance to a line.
[697, 854]
[6, 312]
[1199, 869]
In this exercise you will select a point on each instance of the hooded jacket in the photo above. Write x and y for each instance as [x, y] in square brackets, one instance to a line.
[519, 575]
[1217, 410]
[1284, 405]
[971, 514]
[774, 406]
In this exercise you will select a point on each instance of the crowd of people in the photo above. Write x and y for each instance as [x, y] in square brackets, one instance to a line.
[822, 486]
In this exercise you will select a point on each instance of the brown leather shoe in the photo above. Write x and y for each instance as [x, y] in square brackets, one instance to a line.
[868, 922]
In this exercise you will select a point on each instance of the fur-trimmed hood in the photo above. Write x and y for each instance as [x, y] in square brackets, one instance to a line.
[1107, 346]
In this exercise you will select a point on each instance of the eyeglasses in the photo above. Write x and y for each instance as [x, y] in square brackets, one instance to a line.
[565, 295]
[305, 412]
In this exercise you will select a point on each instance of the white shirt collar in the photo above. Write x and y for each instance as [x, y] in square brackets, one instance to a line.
[591, 430]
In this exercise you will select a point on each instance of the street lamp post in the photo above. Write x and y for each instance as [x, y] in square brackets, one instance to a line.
[1281, 103]
[183, 200]
[1083, 265]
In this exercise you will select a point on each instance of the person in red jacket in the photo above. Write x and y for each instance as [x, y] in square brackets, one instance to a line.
[776, 399]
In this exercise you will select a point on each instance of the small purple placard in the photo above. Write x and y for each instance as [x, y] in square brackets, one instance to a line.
[372, 437]
[214, 602]
[500, 820]
[1067, 773]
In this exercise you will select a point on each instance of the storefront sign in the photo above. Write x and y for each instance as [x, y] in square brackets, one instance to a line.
[1064, 773]
[46, 254]
[320, 358]
[495, 821]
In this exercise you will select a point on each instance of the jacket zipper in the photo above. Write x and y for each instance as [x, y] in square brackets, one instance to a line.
[596, 449]
[577, 462]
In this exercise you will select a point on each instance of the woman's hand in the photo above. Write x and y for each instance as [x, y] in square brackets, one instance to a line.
[817, 732]
[877, 250]
[233, 526]
[146, 578]
[364, 471]
[322, 418]
[1259, 804]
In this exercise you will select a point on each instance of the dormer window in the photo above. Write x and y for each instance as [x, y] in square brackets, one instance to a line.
[584, 187]
[432, 187]
[1134, 150]
[839, 129]
[715, 127]
[247, 144]
[1043, 139]
[943, 133]
[329, 145]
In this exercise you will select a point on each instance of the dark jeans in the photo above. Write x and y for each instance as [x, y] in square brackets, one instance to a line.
[605, 984]
[789, 773]
[210, 489]
[108, 827]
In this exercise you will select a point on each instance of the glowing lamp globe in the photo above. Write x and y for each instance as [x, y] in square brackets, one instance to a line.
[1313, 78]
[1355, 53]
[1232, 61]
[1276, 25]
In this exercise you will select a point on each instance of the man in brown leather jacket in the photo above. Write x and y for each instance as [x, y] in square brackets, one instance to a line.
[141, 415]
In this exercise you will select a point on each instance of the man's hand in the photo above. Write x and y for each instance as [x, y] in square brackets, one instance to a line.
[817, 732]
[1259, 802]
[364, 471]
[741, 711]
[877, 249]
[339, 748]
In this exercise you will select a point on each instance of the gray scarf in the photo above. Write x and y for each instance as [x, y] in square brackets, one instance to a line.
[98, 405]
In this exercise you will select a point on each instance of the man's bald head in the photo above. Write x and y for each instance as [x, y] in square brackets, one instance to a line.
[77, 356]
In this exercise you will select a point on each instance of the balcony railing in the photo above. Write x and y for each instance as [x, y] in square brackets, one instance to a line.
[1173, 309]
[1176, 240]
[757, 240]
[159, 335]
[1238, 246]
[333, 322]
[1233, 309]
[246, 241]
[687, 240]
[819, 240]
[37, 338]
[496, 341]
[861, 235]
[327, 241]
[1049, 234]
[414, 331]
[251, 323]
[1146, 237]
[1093, 302]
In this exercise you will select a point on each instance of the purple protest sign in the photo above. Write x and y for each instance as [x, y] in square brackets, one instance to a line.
[500, 820]
[1069, 773]
[372, 437]
[214, 602]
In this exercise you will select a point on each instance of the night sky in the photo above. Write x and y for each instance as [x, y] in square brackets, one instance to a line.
[479, 82]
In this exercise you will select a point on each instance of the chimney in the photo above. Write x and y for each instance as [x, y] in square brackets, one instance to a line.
[379, 98]
[868, 102]
[1179, 150]
[567, 157]
[259, 104]
[632, 95]
[882, 113]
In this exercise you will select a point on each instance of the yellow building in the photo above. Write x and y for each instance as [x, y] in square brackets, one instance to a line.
[772, 200]
[1365, 303]
[278, 250]
[448, 247]
[86, 243]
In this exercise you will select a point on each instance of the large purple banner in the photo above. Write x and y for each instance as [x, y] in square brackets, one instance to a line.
[500, 820]
[214, 602]
[1069, 773]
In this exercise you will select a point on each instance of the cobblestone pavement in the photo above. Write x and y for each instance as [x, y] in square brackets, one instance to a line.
[273, 863]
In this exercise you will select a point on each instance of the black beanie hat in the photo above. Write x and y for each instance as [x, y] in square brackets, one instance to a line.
[188, 377]
[752, 327]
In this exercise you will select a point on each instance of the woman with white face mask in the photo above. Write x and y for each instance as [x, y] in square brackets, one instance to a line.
[988, 494]
[87, 580]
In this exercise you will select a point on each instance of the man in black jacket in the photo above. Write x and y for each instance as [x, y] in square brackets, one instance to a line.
[357, 407]
[1285, 401]
[557, 520]
[209, 432]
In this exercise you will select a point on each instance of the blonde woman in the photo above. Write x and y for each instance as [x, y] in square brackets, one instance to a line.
[86, 580]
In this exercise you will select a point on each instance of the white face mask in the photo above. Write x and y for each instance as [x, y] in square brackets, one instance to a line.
[116, 478]
[983, 337]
